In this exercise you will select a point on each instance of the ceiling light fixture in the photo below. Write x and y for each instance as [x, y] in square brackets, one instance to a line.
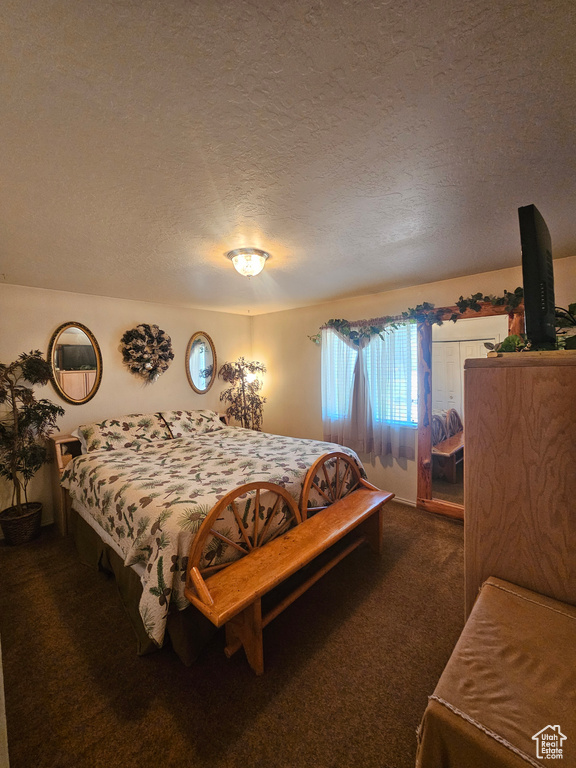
[248, 261]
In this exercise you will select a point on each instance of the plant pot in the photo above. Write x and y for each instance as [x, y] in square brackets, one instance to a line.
[18, 529]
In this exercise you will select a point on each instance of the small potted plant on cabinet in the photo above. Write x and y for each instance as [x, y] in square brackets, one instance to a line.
[25, 423]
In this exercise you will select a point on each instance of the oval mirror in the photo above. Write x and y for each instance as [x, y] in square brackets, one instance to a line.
[76, 363]
[201, 362]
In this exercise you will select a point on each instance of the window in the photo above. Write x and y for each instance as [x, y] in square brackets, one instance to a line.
[370, 392]
[392, 374]
[198, 363]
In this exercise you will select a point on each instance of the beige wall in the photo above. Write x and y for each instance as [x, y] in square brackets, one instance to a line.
[292, 383]
[28, 316]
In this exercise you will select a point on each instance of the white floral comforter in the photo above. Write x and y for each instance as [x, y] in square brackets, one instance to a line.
[151, 499]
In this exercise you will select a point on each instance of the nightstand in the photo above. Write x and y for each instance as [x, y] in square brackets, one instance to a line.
[65, 448]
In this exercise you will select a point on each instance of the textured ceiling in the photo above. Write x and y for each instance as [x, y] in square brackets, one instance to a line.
[366, 145]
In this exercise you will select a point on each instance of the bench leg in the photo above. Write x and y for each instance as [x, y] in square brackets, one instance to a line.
[245, 629]
[451, 469]
[439, 467]
[373, 529]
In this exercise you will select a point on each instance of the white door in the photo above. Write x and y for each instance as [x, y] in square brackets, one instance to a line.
[446, 383]
[469, 349]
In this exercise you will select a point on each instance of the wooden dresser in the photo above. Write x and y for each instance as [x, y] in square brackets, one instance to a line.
[77, 384]
[520, 473]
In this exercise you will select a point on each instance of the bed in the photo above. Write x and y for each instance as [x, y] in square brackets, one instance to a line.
[142, 487]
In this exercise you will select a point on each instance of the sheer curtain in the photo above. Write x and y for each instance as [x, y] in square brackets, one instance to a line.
[391, 370]
[369, 392]
[339, 364]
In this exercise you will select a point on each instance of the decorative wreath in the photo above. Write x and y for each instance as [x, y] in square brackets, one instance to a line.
[147, 351]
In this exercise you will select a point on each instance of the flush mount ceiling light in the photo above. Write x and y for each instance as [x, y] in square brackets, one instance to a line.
[248, 261]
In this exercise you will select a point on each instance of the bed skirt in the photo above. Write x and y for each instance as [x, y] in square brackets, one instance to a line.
[188, 631]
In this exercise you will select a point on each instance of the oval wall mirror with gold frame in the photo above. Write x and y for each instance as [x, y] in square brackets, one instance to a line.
[201, 362]
[425, 491]
[76, 362]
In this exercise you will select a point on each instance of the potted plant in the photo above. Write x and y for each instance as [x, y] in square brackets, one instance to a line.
[25, 423]
[243, 395]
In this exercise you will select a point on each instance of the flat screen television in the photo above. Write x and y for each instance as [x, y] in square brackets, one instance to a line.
[538, 277]
[74, 357]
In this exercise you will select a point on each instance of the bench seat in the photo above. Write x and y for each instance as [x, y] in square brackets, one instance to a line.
[449, 446]
[232, 596]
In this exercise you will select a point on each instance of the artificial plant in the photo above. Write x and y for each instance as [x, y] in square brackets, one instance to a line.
[427, 313]
[25, 423]
[565, 334]
[565, 325]
[422, 313]
[245, 402]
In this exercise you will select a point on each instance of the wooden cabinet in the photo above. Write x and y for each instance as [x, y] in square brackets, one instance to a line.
[520, 472]
[77, 384]
[64, 449]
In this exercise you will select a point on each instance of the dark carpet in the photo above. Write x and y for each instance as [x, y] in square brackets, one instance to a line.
[454, 492]
[349, 666]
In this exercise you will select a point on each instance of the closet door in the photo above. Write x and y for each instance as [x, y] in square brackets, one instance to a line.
[447, 380]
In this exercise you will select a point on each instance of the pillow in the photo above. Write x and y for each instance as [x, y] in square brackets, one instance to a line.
[189, 423]
[126, 432]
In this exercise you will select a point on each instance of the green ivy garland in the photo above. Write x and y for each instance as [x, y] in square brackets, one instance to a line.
[421, 313]
[510, 301]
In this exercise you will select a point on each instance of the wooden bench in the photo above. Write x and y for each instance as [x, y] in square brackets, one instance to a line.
[449, 453]
[232, 595]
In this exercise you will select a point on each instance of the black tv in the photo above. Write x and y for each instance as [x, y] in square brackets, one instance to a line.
[538, 277]
[74, 357]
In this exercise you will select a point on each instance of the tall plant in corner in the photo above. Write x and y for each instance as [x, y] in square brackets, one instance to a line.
[245, 402]
[25, 423]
